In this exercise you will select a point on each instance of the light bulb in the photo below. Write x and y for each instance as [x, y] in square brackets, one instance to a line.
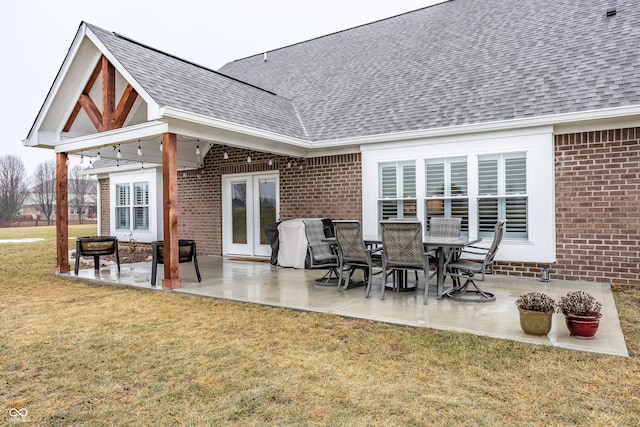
[248, 159]
[270, 162]
[98, 155]
[225, 155]
[81, 158]
[119, 155]
[160, 145]
[139, 150]
[197, 150]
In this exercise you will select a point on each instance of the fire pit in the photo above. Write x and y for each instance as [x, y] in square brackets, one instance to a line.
[96, 246]
[186, 253]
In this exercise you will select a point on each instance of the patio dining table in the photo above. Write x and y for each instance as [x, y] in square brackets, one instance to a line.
[441, 245]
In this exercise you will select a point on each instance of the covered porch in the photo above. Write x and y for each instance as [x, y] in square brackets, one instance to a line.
[262, 283]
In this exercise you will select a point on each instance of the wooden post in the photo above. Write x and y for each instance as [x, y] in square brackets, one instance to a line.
[170, 210]
[62, 213]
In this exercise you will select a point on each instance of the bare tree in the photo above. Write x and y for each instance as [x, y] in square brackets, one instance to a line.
[13, 187]
[81, 187]
[44, 188]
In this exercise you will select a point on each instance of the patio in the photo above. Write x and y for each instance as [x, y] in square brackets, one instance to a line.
[262, 283]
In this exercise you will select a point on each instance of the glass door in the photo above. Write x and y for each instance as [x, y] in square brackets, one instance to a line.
[250, 203]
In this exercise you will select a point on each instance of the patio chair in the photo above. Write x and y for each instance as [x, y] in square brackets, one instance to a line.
[402, 250]
[321, 253]
[186, 253]
[353, 253]
[467, 269]
[444, 227]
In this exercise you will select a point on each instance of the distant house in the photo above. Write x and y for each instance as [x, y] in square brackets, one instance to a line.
[490, 110]
[31, 208]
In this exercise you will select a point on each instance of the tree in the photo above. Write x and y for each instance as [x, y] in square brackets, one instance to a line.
[44, 188]
[13, 187]
[81, 187]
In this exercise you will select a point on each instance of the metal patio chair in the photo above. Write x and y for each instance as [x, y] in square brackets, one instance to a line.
[402, 249]
[353, 253]
[468, 269]
[321, 252]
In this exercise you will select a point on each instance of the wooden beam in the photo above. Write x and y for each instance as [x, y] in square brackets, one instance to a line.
[170, 210]
[124, 107]
[108, 92]
[92, 111]
[62, 214]
[87, 88]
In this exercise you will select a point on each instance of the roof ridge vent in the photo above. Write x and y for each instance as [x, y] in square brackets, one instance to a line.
[611, 12]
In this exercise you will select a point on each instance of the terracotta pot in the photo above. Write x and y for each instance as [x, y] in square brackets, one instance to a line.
[583, 327]
[535, 322]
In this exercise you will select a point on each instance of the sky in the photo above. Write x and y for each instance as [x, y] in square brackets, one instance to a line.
[35, 36]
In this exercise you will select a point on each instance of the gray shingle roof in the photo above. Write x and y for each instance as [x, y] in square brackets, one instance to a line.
[455, 63]
[173, 82]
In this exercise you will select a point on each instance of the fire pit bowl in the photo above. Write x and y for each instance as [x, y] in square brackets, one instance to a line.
[96, 246]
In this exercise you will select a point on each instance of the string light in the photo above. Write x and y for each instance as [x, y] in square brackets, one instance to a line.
[288, 164]
[119, 155]
[139, 149]
[198, 148]
[225, 155]
[98, 155]
[248, 159]
[270, 162]
[161, 145]
[81, 158]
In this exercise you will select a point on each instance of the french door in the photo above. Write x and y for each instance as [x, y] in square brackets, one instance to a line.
[249, 204]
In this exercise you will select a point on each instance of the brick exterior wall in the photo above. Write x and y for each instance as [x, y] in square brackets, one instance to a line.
[105, 207]
[325, 187]
[597, 201]
[597, 209]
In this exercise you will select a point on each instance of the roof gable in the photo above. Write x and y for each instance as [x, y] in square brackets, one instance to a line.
[176, 83]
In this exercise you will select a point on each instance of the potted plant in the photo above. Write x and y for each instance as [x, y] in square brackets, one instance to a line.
[582, 314]
[536, 311]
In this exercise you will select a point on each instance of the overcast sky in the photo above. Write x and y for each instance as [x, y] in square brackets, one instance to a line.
[35, 36]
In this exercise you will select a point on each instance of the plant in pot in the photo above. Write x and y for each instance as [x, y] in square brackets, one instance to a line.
[582, 314]
[536, 311]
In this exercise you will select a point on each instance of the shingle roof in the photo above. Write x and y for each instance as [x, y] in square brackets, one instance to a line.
[455, 63]
[177, 83]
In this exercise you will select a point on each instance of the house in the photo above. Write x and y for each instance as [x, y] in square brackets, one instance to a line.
[527, 112]
[82, 196]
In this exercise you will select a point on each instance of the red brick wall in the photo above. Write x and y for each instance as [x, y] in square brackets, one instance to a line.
[597, 209]
[598, 206]
[325, 187]
[105, 207]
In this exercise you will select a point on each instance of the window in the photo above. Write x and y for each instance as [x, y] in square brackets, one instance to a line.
[397, 197]
[502, 194]
[446, 190]
[139, 209]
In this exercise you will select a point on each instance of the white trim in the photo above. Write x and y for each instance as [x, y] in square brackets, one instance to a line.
[113, 137]
[154, 179]
[541, 244]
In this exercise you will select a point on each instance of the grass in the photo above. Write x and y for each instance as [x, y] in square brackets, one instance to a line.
[74, 353]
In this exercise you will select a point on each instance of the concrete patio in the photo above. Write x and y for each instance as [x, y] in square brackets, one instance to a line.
[262, 283]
